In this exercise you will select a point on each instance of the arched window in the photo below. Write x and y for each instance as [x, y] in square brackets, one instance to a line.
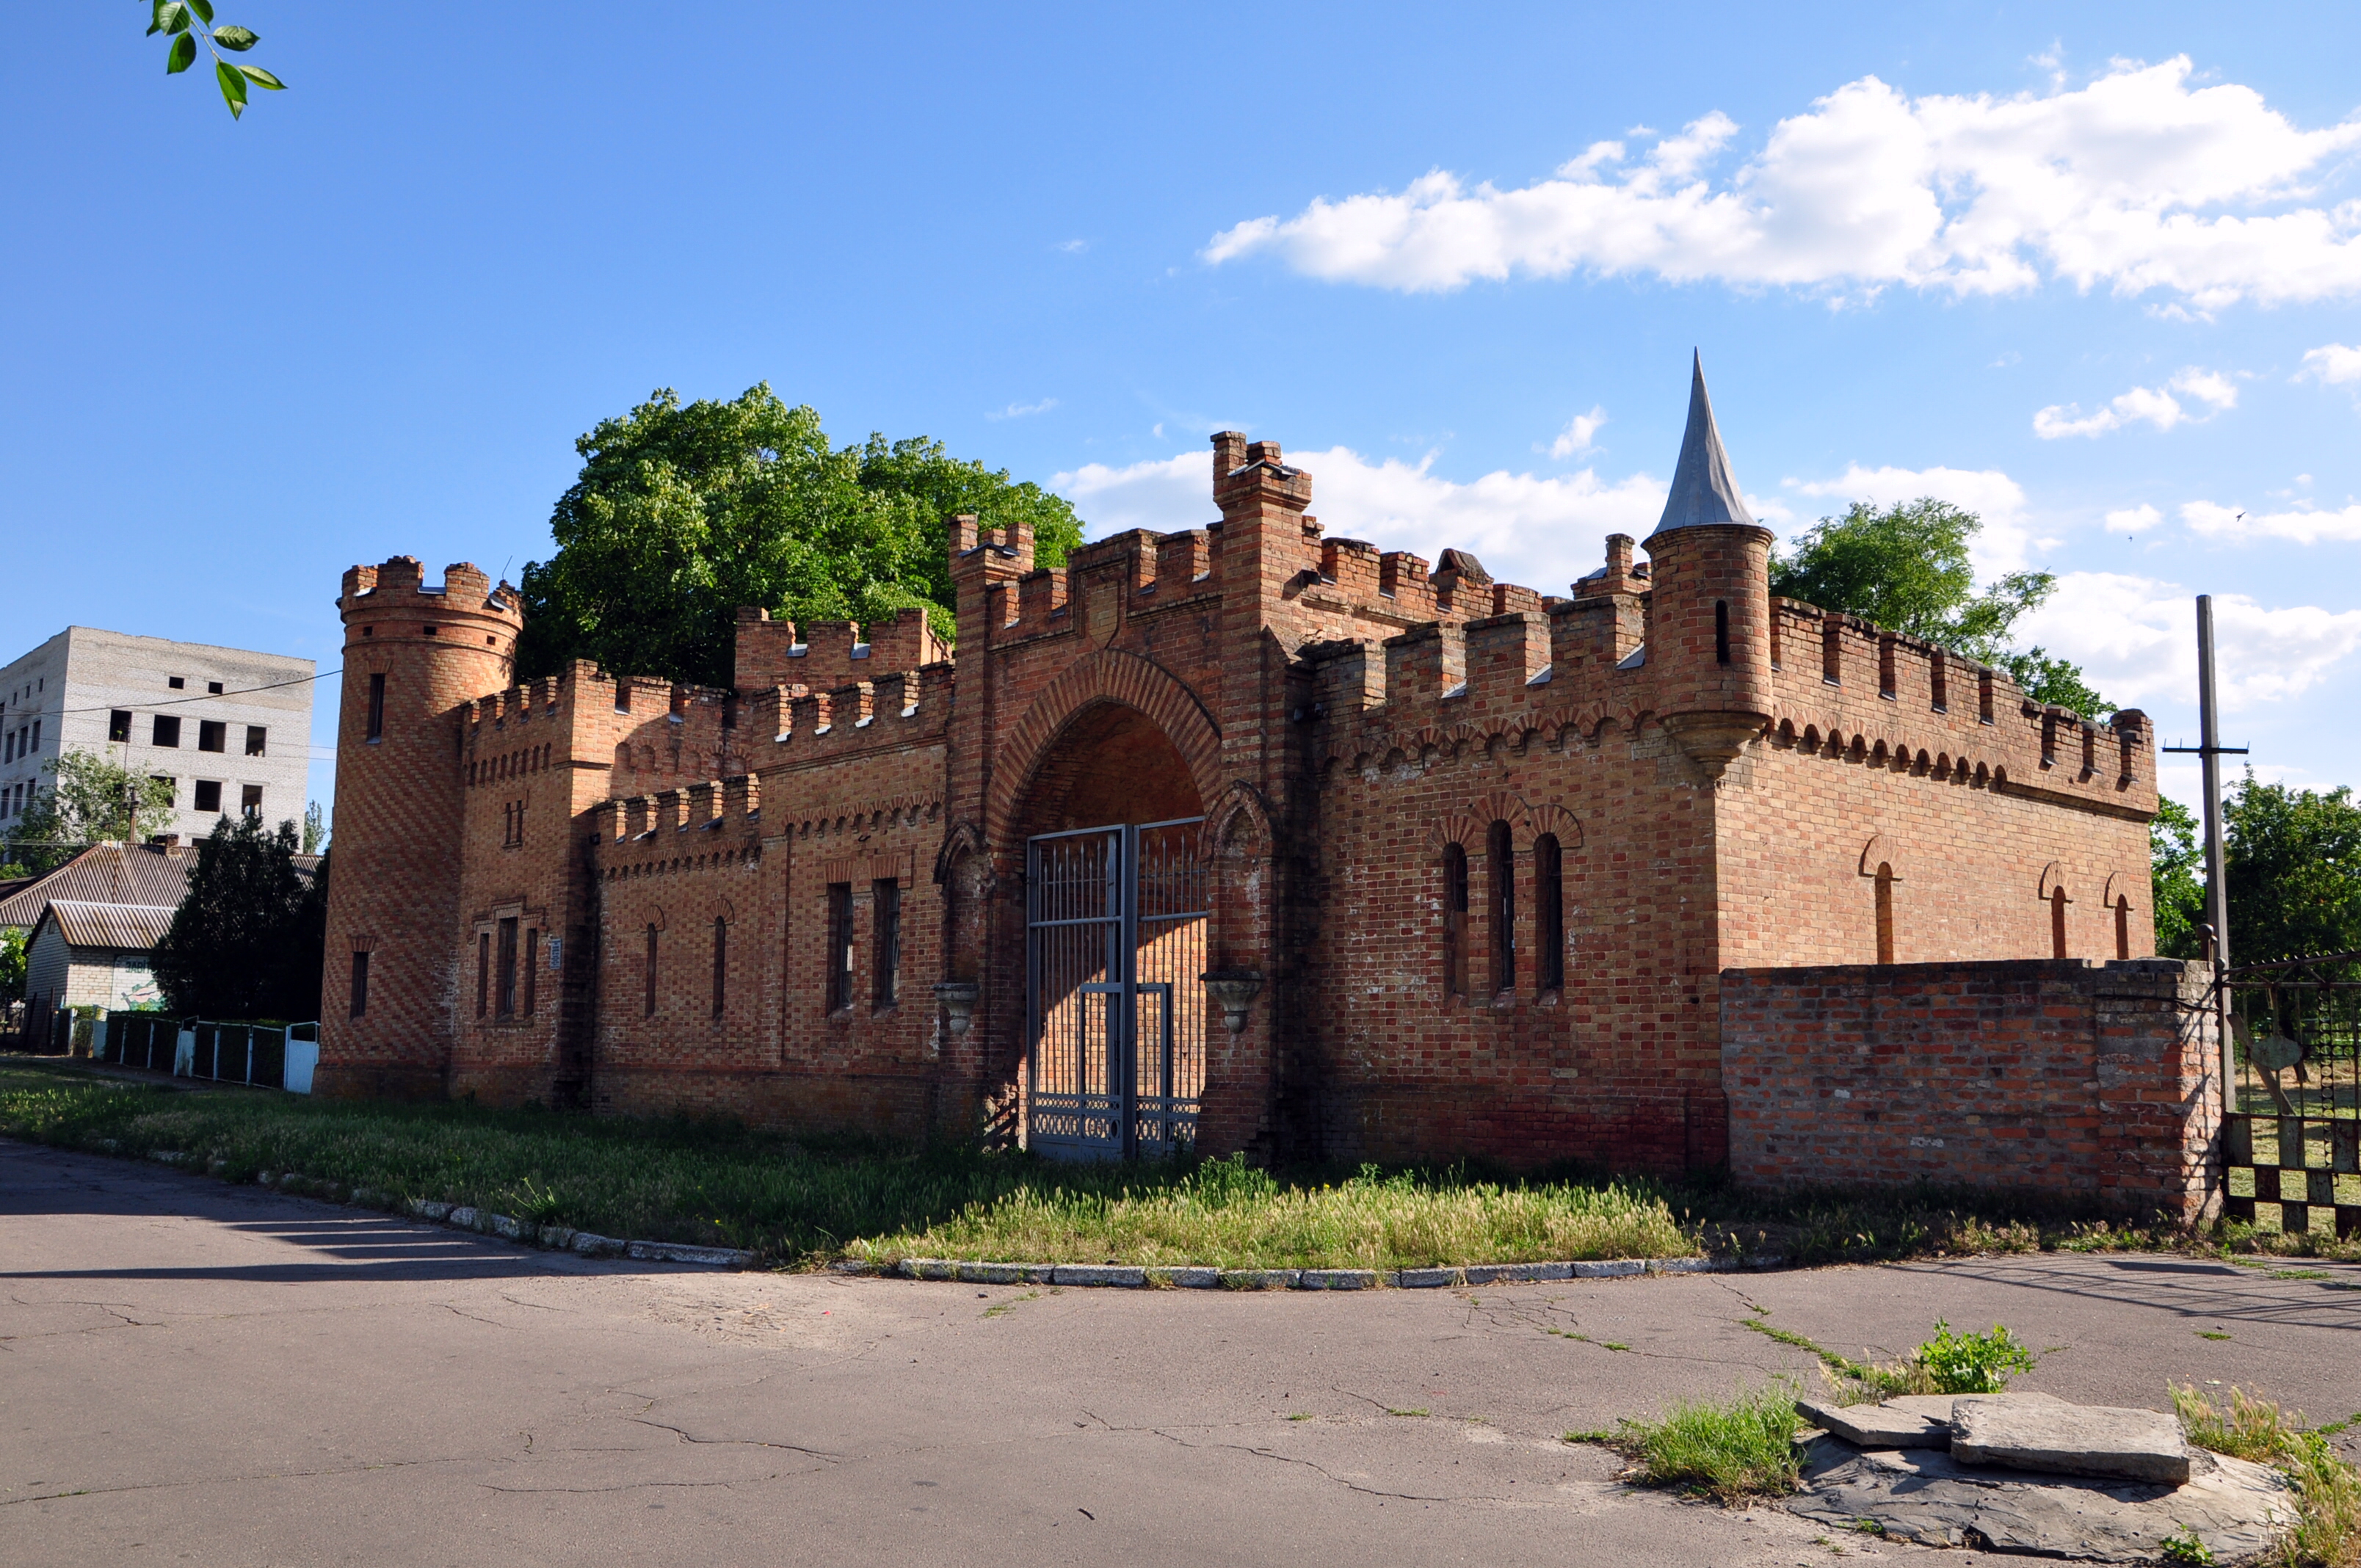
[1501, 907]
[1885, 913]
[2058, 922]
[648, 1001]
[720, 962]
[2123, 926]
[1549, 915]
[1455, 920]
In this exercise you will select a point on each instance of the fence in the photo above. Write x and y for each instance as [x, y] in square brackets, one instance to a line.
[265, 1056]
[2293, 1152]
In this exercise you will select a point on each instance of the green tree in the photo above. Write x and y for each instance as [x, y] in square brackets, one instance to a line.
[2294, 862]
[2177, 875]
[242, 945]
[1906, 568]
[183, 22]
[89, 798]
[316, 829]
[683, 513]
[12, 965]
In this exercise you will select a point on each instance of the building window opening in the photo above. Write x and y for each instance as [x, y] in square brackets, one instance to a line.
[1721, 632]
[2123, 926]
[249, 800]
[507, 968]
[2056, 922]
[209, 796]
[1455, 920]
[1832, 652]
[359, 1002]
[1549, 915]
[257, 738]
[483, 972]
[377, 708]
[840, 946]
[213, 735]
[720, 964]
[532, 969]
[118, 726]
[648, 999]
[178, 682]
[1500, 874]
[885, 906]
[214, 687]
[1885, 913]
[166, 731]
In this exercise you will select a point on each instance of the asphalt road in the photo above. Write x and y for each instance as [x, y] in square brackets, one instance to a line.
[192, 1371]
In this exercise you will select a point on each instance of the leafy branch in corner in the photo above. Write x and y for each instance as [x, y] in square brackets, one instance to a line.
[186, 21]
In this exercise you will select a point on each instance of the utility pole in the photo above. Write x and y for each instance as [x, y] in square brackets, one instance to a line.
[2210, 753]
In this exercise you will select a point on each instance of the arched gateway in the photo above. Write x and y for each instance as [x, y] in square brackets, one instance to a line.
[1117, 900]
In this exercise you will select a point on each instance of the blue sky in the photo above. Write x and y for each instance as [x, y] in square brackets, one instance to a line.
[2092, 271]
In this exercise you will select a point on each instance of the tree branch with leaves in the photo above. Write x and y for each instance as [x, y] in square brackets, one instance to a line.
[186, 21]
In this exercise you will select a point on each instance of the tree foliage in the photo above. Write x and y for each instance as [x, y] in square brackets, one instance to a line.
[12, 964]
[248, 941]
[183, 22]
[1906, 567]
[90, 796]
[683, 513]
[2292, 858]
[2177, 876]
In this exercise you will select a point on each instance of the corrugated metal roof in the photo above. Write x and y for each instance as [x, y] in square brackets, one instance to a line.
[107, 873]
[139, 926]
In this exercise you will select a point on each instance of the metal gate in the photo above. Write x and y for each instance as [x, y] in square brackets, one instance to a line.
[1114, 943]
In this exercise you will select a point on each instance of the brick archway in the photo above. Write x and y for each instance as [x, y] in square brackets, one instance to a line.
[1105, 677]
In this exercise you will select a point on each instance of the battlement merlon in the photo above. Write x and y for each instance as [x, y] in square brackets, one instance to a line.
[397, 585]
[829, 653]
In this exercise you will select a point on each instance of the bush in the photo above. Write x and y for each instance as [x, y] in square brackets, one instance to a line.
[1973, 1363]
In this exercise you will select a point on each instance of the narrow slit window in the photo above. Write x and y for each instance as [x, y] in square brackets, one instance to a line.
[648, 998]
[720, 964]
[359, 1004]
[483, 972]
[1885, 685]
[1885, 913]
[1721, 632]
[2123, 926]
[1455, 920]
[2057, 923]
[1939, 682]
[885, 906]
[840, 946]
[532, 969]
[1500, 870]
[1984, 696]
[377, 708]
[508, 991]
[1549, 913]
[1832, 653]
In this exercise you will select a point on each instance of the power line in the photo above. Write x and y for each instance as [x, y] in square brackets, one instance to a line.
[209, 696]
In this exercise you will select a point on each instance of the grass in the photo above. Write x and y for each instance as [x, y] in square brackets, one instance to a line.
[1729, 1449]
[807, 1200]
[2327, 1532]
[1950, 1363]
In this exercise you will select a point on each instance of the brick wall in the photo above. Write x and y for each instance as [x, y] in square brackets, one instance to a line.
[2069, 1081]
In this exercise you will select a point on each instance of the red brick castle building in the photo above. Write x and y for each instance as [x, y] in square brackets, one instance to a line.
[1243, 833]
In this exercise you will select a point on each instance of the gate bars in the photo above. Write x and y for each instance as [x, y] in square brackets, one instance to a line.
[2295, 1155]
[1114, 939]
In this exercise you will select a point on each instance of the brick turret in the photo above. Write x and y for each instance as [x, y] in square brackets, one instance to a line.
[413, 657]
[1709, 602]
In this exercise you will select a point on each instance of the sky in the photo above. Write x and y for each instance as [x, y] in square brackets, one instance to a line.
[2093, 272]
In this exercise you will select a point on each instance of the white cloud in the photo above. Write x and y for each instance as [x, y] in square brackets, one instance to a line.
[2136, 638]
[2006, 540]
[2157, 405]
[1024, 410]
[1073, 246]
[2332, 363]
[1544, 532]
[2305, 525]
[1576, 437]
[2134, 519]
[2135, 182]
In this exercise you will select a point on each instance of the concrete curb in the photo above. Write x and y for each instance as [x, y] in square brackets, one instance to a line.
[1120, 1276]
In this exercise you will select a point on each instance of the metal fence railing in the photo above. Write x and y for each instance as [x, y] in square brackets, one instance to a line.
[265, 1056]
[2291, 1137]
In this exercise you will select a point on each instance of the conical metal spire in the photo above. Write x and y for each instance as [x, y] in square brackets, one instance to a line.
[1704, 490]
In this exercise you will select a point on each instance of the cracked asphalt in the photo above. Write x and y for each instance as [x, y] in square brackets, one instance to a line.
[219, 1375]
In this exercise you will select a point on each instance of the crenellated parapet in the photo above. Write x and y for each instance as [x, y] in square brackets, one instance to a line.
[829, 653]
[707, 823]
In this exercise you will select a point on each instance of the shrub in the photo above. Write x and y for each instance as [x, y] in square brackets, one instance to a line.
[1973, 1363]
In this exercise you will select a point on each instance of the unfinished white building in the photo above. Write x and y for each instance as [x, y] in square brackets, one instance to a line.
[231, 729]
